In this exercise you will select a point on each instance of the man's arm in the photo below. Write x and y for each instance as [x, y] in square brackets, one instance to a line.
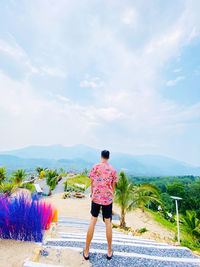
[115, 179]
[91, 187]
[113, 186]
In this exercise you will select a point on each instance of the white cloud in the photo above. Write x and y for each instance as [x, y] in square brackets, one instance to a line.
[178, 70]
[53, 71]
[130, 17]
[91, 82]
[11, 49]
[62, 98]
[175, 81]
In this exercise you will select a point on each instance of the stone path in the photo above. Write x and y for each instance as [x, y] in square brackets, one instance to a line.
[128, 250]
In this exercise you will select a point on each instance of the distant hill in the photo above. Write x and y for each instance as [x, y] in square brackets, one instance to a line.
[13, 163]
[81, 156]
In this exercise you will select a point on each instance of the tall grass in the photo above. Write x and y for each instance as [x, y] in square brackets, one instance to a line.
[24, 218]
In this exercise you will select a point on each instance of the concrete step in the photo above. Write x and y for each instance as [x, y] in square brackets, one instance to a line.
[125, 247]
[115, 238]
[98, 259]
[37, 264]
[115, 241]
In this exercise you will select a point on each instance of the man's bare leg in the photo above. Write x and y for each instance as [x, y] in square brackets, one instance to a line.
[90, 233]
[109, 235]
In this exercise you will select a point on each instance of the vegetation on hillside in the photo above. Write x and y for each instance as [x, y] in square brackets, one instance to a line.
[186, 187]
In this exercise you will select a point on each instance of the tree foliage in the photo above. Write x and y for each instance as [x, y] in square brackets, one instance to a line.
[19, 176]
[186, 187]
[2, 174]
[191, 223]
[51, 180]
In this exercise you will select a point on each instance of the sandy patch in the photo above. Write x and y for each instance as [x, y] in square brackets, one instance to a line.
[13, 253]
[138, 219]
[76, 208]
[65, 257]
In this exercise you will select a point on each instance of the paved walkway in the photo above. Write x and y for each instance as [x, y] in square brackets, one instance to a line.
[128, 250]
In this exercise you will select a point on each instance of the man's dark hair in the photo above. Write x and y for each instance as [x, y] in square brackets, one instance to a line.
[105, 154]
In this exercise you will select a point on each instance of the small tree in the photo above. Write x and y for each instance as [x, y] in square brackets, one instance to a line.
[86, 171]
[2, 174]
[123, 195]
[191, 223]
[7, 188]
[129, 197]
[19, 176]
[51, 180]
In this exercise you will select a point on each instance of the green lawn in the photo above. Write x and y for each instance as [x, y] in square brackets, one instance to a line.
[79, 179]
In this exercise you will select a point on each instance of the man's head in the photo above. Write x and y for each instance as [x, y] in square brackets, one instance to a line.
[105, 155]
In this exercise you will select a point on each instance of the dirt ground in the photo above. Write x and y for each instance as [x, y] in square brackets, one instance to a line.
[76, 208]
[138, 219]
[64, 257]
[13, 253]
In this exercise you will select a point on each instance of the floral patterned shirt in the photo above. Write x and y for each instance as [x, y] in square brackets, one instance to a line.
[103, 175]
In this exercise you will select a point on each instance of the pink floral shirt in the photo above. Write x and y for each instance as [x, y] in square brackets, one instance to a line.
[103, 175]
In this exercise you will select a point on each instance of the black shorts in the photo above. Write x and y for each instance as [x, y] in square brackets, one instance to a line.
[106, 210]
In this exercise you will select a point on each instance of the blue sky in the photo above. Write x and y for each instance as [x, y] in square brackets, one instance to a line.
[122, 75]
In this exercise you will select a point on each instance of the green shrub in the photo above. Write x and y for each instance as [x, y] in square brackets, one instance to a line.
[190, 244]
[142, 230]
[2, 174]
[7, 187]
[30, 187]
[65, 184]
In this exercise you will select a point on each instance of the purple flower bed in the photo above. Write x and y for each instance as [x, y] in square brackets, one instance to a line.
[23, 218]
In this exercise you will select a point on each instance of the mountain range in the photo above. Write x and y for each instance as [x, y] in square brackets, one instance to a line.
[81, 156]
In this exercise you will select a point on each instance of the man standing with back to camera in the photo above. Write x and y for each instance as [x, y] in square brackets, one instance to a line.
[103, 178]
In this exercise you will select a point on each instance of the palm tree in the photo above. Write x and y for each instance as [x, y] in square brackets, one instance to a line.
[19, 176]
[129, 197]
[86, 171]
[123, 195]
[143, 194]
[7, 188]
[61, 170]
[51, 180]
[191, 223]
[2, 174]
